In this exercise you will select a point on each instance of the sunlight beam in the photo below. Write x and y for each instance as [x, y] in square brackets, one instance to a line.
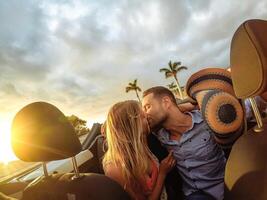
[6, 152]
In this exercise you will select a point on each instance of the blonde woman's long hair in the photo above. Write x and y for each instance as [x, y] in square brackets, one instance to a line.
[127, 146]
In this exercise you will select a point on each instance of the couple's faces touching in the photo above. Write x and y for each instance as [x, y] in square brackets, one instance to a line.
[155, 109]
[145, 125]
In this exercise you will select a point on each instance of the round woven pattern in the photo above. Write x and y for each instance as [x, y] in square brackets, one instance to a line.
[200, 96]
[209, 79]
[227, 140]
[222, 112]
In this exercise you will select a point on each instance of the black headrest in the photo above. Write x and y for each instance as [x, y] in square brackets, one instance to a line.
[41, 132]
[64, 187]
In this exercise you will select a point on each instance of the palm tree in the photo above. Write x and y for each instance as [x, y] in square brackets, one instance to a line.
[133, 86]
[171, 71]
[173, 88]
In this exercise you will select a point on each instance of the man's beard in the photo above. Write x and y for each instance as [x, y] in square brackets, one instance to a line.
[155, 126]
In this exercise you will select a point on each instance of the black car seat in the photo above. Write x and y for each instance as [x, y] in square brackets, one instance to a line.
[41, 133]
[246, 169]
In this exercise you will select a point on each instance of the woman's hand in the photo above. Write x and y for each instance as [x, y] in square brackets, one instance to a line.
[167, 164]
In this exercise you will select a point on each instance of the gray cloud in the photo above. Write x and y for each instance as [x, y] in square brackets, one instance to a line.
[80, 55]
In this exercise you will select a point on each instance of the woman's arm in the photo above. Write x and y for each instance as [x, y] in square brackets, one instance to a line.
[165, 166]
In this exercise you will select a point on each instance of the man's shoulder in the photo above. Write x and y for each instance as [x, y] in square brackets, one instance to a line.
[196, 112]
[196, 116]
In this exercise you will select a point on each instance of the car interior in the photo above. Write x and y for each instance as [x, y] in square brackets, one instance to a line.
[42, 134]
[246, 169]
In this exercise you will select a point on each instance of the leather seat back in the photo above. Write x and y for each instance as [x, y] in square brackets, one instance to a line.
[246, 169]
[67, 187]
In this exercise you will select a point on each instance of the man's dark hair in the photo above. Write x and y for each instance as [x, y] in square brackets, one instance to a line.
[160, 91]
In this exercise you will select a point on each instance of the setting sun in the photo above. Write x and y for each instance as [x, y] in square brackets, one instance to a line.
[6, 154]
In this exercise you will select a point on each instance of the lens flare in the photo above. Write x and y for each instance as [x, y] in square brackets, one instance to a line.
[6, 153]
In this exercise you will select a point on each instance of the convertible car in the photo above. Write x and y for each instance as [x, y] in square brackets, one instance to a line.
[67, 169]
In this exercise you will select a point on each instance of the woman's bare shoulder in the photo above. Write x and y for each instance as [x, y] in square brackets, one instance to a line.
[114, 172]
[111, 167]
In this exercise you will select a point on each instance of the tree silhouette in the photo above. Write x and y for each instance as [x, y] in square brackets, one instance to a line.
[171, 71]
[133, 87]
[78, 124]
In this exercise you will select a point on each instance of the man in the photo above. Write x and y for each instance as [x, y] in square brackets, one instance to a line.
[200, 161]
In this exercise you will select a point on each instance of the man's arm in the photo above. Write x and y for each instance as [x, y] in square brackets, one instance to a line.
[186, 107]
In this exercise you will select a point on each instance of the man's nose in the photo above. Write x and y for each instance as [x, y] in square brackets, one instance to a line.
[144, 111]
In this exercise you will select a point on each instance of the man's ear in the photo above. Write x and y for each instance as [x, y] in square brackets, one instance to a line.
[166, 101]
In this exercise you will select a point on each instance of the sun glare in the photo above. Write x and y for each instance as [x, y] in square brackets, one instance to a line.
[6, 153]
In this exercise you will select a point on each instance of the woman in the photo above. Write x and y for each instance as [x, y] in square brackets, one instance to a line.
[128, 159]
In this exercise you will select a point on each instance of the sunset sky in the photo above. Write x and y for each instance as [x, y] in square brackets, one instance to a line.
[80, 55]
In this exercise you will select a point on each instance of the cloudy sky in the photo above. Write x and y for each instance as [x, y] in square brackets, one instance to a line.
[79, 55]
